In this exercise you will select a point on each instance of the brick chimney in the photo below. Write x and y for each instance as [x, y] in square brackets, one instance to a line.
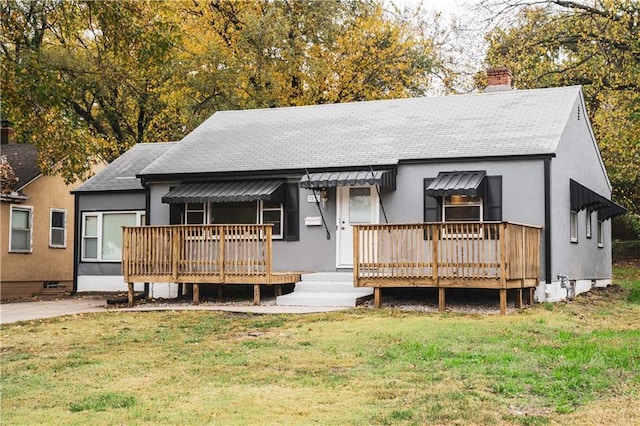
[6, 132]
[498, 79]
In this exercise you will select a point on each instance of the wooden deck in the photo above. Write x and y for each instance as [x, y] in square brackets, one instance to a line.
[201, 254]
[484, 255]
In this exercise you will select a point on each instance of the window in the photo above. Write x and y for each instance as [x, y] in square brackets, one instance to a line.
[272, 214]
[462, 208]
[58, 228]
[588, 232]
[600, 234]
[20, 239]
[261, 212]
[573, 226]
[102, 234]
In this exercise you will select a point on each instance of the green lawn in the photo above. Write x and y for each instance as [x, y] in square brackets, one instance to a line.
[566, 363]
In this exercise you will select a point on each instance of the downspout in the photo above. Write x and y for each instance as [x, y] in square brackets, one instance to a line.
[76, 233]
[147, 222]
[547, 220]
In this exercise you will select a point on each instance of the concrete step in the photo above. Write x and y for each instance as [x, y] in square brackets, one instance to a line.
[329, 276]
[325, 289]
[320, 299]
[328, 286]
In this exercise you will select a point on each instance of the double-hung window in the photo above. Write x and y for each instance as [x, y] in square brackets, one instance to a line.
[573, 226]
[254, 212]
[462, 208]
[102, 234]
[21, 223]
[58, 228]
[588, 222]
[600, 234]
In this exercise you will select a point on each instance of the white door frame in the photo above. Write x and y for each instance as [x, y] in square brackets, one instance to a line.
[342, 207]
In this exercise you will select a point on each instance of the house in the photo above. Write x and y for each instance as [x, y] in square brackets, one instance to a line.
[36, 225]
[103, 204]
[503, 190]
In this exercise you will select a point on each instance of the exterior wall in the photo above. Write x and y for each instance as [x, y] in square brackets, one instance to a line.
[578, 158]
[23, 274]
[523, 201]
[103, 276]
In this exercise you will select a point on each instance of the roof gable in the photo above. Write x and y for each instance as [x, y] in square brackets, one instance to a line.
[120, 174]
[518, 122]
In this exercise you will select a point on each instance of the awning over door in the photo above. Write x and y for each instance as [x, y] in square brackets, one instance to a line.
[225, 192]
[456, 183]
[584, 198]
[382, 178]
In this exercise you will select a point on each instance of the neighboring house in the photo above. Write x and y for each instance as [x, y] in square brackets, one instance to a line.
[109, 200]
[524, 156]
[37, 217]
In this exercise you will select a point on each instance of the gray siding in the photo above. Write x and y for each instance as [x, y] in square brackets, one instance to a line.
[523, 201]
[578, 158]
[103, 202]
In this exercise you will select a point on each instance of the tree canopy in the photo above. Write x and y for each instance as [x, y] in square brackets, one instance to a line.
[84, 79]
[595, 44]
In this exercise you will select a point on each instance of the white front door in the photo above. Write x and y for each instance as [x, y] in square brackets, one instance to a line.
[356, 205]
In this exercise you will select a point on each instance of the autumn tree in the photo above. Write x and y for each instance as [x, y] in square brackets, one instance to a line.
[593, 43]
[83, 79]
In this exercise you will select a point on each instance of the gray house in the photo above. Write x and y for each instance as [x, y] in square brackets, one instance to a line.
[462, 164]
[103, 204]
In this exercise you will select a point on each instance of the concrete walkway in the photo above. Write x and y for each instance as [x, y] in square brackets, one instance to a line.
[31, 310]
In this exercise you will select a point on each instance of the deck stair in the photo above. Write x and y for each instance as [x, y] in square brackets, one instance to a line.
[325, 289]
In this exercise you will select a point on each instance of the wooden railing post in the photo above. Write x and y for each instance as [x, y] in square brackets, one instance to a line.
[435, 238]
[221, 255]
[269, 252]
[126, 247]
[356, 256]
[175, 249]
[503, 268]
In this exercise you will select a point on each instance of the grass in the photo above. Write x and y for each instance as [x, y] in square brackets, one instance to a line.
[567, 363]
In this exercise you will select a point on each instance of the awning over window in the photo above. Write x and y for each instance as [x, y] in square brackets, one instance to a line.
[584, 198]
[456, 183]
[382, 178]
[225, 192]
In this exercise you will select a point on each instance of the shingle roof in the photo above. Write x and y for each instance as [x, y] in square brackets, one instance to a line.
[23, 159]
[120, 174]
[518, 122]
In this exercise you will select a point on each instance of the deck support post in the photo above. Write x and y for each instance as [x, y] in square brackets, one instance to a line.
[130, 295]
[531, 295]
[503, 301]
[278, 290]
[377, 297]
[256, 294]
[519, 298]
[196, 294]
[441, 299]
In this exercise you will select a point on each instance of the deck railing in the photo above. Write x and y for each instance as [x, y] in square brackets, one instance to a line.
[197, 253]
[461, 254]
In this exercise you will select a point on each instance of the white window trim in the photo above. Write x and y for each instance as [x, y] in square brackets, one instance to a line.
[600, 231]
[208, 207]
[64, 228]
[573, 229]
[20, 207]
[99, 215]
[445, 234]
[263, 209]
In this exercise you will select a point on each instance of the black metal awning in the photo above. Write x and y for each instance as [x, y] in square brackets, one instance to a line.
[584, 198]
[225, 192]
[456, 183]
[382, 178]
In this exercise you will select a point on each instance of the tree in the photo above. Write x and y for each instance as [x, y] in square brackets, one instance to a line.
[83, 79]
[595, 44]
